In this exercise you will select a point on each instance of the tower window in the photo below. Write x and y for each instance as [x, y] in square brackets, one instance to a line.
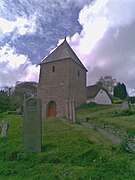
[53, 68]
[78, 73]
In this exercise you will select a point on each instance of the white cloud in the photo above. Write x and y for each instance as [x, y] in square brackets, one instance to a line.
[106, 44]
[13, 60]
[16, 67]
[6, 26]
[32, 73]
[21, 24]
[101, 15]
[131, 92]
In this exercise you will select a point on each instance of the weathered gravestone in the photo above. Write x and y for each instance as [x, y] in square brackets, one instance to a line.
[125, 106]
[4, 125]
[32, 125]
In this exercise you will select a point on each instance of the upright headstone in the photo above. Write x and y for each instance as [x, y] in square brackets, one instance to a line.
[32, 125]
[125, 105]
[4, 125]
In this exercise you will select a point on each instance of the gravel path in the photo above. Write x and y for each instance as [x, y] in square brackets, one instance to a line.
[106, 134]
[110, 136]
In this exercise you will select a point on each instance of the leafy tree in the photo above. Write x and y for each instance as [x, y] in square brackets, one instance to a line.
[4, 101]
[22, 90]
[9, 91]
[107, 82]
[120, 91]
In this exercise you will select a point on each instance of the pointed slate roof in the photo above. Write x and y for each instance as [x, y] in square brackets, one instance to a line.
[63, 51]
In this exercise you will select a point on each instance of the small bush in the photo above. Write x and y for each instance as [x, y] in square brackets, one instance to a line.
[125, 145]
[118, 101]
[78, 122]
[12, 112]
[127, 112]
[131, 99]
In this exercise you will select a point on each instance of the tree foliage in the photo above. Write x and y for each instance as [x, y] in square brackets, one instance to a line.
[107, 82]
[120, 91]
[22, 90]
[11, 98]
[4, 101]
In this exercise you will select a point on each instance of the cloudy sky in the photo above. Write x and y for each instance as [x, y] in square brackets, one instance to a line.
[101, 32]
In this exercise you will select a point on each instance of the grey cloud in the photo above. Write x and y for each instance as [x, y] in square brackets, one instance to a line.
[118, 53]
[10, 76]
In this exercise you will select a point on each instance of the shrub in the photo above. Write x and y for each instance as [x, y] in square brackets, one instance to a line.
[131, 99]
[119, 101]
[12, 112]
[127, 112]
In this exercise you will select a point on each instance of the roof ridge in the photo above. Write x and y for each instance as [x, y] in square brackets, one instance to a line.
[63, 51]
[93, 90]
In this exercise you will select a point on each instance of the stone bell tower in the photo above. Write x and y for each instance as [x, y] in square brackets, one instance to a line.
[62, 82]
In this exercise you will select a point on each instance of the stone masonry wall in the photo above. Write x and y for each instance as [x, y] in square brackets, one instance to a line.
[60, 81]
[77, 87]
[54, 85]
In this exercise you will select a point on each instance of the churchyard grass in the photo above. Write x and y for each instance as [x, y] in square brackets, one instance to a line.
[69, 151]
[109, 115]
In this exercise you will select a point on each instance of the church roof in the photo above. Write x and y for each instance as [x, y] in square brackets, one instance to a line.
[63, 51]
[93, 90]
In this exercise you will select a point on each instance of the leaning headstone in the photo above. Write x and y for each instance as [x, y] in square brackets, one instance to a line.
[32, 125]
[125, 105]
[4, 128]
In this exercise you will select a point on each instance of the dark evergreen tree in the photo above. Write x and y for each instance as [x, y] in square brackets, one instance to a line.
[120, 91]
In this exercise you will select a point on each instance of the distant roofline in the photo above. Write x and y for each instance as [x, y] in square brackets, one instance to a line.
[98, 89]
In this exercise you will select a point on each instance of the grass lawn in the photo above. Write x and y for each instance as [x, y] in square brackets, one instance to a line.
[109, 115]
[69, 151]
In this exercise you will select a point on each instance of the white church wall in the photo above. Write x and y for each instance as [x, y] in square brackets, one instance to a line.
[102, 98]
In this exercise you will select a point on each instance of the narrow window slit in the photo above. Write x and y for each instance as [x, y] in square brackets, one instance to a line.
[53, 68]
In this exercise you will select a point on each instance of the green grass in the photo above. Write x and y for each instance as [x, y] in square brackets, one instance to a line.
[69, 152]
[108, 115]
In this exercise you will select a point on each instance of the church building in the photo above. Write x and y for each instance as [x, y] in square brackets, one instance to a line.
[62, 82]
